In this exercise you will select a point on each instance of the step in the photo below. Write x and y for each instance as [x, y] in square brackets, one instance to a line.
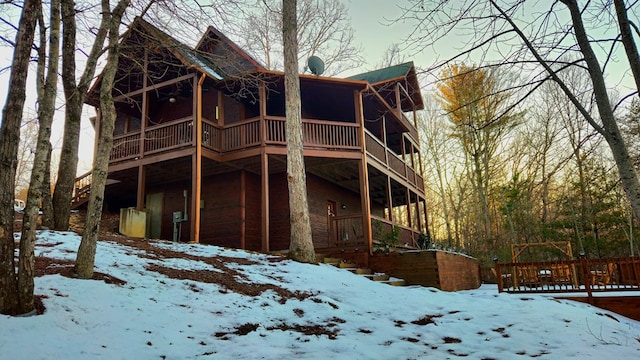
[395, 282]
[380, 277]
[362, 271]
[332, 261]
[347, 265]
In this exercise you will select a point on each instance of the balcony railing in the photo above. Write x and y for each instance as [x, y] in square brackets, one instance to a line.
[377, 150]
[318, 134]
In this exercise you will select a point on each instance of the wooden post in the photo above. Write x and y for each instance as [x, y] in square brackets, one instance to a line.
[142, 174]
[196, 181]
[496, 266]
[243, 209]
[365, 200]
[264, 159]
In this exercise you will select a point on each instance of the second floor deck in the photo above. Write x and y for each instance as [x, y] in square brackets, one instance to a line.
[254, 133]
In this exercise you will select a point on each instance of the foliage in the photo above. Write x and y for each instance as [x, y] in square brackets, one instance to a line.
[386, 239]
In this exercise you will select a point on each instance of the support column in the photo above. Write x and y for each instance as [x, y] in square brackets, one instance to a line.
[264, 159]
[142, 177]
[243, 209]
[365, 199]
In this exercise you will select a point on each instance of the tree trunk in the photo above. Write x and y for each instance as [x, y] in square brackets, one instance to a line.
[85, 259]
[9, 138]
[611, 132]
[301, 246]
[47, 101]
[74, 96]
[627, 39]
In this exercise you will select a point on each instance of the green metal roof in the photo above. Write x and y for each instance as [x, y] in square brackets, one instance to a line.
[381, 75]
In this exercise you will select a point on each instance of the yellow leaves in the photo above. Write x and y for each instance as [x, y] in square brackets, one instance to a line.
[463, 93]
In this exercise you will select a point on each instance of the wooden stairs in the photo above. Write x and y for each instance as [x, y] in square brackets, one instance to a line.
[81, 190]
[368, 273]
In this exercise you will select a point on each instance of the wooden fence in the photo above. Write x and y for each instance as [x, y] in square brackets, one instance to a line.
[580, 275]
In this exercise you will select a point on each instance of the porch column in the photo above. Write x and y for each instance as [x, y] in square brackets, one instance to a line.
[264, 159]
[142, 174]
[196, 176]
[390, 199]
[365, 199]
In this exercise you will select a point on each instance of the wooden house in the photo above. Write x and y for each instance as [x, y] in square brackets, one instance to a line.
[199, 145]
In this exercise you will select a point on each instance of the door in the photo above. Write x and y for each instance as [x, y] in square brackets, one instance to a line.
[155, 203]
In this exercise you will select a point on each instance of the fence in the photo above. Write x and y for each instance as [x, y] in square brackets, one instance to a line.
[580, 275]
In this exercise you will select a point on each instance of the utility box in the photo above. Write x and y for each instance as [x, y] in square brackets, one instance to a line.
[133, 223]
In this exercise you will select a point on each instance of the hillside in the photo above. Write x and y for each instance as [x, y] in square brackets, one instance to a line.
[161, 300]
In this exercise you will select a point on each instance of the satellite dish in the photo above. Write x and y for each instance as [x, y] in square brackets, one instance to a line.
[316, 65]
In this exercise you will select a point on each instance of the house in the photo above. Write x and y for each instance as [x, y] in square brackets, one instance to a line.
[199, 145]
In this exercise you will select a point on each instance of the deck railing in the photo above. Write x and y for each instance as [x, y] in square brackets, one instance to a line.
[168, 136]
[580, 275]
[318, 134]
[81, 189]
[377, 150]
[346, 231]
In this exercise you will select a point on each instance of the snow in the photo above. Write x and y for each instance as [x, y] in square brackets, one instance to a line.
[154, 316]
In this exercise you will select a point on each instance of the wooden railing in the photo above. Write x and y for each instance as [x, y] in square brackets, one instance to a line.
[125, 147]
[407, 237]
[168, 136]
[316, 133]
[81, 189]
[346, 231]
[580, 275]
[233, 137]
[377, 150]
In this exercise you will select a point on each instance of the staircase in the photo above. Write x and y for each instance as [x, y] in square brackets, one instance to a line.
[81, 189]
[368, 273]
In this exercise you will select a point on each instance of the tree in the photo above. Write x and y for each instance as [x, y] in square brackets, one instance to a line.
[87, 250]
[323, 29]
[481, 116]
[26, 150]
[75, 94]
[47, 100]
[537, 45]
[9, 137]
[301, 246]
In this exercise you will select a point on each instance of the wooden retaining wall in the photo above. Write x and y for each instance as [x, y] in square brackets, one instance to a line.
[443, 270]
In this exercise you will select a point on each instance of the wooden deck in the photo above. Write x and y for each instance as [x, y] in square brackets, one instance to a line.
[585, 280]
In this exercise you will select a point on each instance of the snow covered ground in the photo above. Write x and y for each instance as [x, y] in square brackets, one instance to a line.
[160, 300]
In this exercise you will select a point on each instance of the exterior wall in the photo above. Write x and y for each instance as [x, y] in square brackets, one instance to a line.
[220, 219]
[173, 200]
[319, 192]
[253, 212]
[279, 229]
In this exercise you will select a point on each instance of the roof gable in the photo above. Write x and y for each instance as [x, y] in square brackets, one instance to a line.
[229, 57]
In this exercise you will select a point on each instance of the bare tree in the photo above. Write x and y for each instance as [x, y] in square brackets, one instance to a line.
[301, 246]
[537, 45]
[324, 30]
[482, 116]
[9, 137]
[87, 250]
[75, 93]
[26, 151]
[46, 99]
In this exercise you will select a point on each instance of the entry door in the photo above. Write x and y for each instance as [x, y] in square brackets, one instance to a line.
[331, 214]
[155, 203]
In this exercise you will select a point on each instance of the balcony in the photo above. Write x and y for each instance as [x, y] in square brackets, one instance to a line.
[318, 134]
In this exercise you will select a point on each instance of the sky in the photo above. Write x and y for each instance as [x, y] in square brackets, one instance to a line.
[374, 31]
[334, 314]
